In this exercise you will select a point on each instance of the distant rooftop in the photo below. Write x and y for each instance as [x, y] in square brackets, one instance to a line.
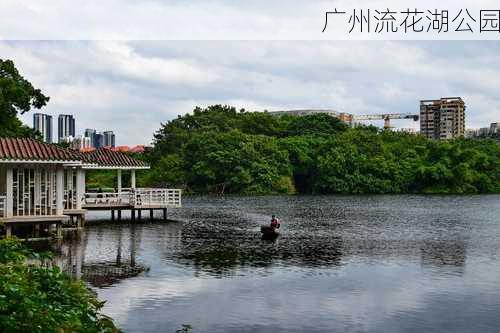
[304, 112]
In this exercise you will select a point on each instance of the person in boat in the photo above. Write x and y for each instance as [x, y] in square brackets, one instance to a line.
[275, 223]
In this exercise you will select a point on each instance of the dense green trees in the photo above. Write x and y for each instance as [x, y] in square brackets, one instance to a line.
[40, 298]
[17, 95]
[222, 150]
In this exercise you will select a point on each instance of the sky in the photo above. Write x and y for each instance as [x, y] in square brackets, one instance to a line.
[131, 87]
[208, 19]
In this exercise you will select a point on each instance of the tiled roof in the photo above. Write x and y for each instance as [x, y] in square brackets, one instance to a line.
[25, 149]
[108, 158]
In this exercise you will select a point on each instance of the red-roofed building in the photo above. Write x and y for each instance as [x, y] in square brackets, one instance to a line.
[42, 183]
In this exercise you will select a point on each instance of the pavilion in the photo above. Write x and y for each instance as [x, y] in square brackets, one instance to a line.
[43, 184]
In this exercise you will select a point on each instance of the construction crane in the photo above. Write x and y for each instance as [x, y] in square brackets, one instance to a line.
[387, 117]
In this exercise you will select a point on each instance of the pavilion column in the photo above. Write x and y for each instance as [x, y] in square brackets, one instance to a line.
[9, 192]
[119, 181]
[59, 191]
[80, 187]
[132, 178]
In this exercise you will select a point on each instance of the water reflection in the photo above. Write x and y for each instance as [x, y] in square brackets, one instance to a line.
[104, 270]
[240, 248]
[377, 264]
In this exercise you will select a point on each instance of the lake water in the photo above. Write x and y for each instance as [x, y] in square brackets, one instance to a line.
[341, 264]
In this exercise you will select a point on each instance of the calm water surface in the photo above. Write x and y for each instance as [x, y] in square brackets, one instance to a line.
[341, 264]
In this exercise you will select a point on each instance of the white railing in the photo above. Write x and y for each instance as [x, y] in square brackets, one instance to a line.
[3, 203]
[107, 199]
[144, 197]
[138, 198]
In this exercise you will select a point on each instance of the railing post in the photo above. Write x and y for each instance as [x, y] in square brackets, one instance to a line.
[9, 193]
[80, 188]
[119, 180]
[132, 179]
[59, 191]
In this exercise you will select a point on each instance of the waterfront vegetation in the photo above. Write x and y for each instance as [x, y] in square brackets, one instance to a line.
[222, 150]
[36, 296]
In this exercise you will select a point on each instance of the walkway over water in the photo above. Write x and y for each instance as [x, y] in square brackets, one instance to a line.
[139, 198]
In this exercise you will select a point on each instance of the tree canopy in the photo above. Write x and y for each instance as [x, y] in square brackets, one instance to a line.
[17, 95]
[222, 150]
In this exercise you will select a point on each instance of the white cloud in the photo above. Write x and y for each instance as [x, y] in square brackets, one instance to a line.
[131, 87]
[122, 59]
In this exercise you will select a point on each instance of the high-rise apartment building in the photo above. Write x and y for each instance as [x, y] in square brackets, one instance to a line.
[43, 124]
[90, 134]
[108, 139]
[98, 140]
[65, 127]
[495, 128]
[80, 142]
[442, 119]
[85, 143]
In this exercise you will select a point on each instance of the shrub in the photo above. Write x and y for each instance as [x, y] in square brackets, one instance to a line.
[37, 298]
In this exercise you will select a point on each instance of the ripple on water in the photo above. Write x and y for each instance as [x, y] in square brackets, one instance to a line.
[341, 263]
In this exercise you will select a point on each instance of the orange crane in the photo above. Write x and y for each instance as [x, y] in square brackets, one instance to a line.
[387, 117]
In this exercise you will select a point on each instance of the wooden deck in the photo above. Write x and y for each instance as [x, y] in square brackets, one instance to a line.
[34, 219]
[10, 222]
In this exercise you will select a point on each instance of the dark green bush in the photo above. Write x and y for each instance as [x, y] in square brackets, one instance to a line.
[41, 298]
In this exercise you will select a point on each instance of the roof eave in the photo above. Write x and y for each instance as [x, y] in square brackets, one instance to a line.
[104, 167]
[21, 161]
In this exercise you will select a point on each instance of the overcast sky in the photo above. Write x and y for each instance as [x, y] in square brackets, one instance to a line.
[131, 87]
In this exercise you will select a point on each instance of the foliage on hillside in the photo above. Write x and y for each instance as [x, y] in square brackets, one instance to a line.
[222, 150]
[40, 298]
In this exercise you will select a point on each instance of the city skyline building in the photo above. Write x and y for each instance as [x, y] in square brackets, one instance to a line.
[81, 142]
[495, 128]
[98, 140]
[65, 128]
[85, 142]
[108, 139]
[43, 124]
[90, 134]
[484, 132]
[442, 119]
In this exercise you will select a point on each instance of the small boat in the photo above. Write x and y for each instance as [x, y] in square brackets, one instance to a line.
[269, 232]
